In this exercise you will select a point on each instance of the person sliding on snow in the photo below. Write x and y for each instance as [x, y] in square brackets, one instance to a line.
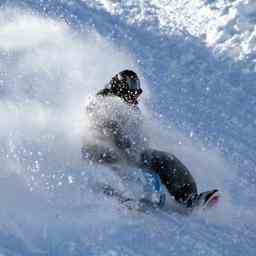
[120, 138]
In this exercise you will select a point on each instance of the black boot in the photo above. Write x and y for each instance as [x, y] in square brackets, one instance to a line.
[204, 200]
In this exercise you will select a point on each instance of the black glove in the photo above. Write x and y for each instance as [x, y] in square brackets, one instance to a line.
[99, 154]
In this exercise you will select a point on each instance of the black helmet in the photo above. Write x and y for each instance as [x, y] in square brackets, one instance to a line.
[126, 85]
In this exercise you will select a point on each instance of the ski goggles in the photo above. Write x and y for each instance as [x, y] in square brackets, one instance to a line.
[133, 85]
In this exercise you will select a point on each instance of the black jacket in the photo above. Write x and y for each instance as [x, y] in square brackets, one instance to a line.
[117, 124]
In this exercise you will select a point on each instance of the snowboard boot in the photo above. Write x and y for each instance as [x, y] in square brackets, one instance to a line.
[204, 200]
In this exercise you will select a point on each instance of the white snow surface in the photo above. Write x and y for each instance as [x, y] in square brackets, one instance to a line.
[229, 27]
[196, 60]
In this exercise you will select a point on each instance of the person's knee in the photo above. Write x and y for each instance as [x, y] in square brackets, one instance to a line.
[157, 160]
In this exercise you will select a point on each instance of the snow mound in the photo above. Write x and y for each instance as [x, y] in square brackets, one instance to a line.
[228, 27]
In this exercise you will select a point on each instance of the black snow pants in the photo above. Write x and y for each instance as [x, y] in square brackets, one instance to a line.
[172, 172]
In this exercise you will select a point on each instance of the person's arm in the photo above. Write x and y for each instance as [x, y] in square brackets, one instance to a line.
[121, 140]
[99, 154]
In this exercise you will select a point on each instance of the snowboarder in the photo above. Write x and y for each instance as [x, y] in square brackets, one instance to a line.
[118, 143]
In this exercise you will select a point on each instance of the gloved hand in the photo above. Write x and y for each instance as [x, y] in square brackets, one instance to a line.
[99, 154]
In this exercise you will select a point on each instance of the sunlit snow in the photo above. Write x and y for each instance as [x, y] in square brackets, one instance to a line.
[196, 60]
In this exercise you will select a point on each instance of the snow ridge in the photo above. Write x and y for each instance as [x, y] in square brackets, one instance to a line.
[228, 27]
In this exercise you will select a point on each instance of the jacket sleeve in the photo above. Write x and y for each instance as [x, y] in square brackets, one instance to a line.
[99, 154]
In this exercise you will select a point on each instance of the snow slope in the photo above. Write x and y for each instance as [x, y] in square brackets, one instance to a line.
[197, 63]
[226, 26]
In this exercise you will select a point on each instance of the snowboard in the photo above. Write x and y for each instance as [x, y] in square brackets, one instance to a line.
[143, 191]
[202, 202]
[141, 205]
